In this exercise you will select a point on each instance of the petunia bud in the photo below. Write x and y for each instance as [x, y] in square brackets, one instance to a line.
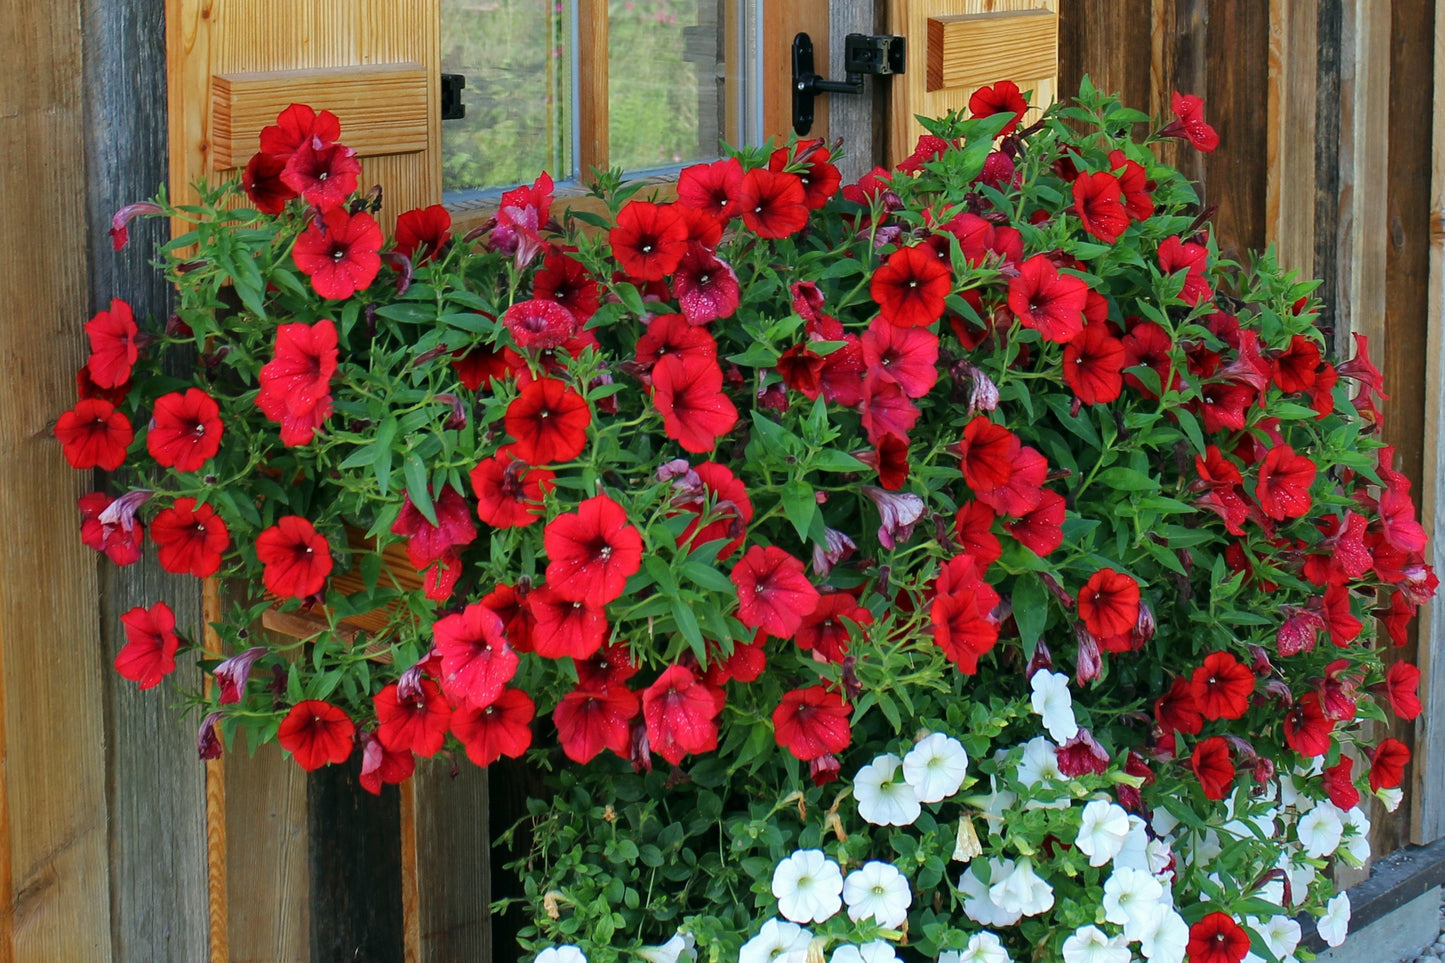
[1065, 599]
[408, 687]
[120, 221]
[1042, 659]
[824, 769]
[122, 511]
[458, 417]
[1259, 662]
[208, 741]
[1144, 627]
[401, 264]
[836, 547]
[640, 753]
[1082, 754]
[233, 673]
[1089, 661]
[773, 397]
[852, 688]
[899, 512]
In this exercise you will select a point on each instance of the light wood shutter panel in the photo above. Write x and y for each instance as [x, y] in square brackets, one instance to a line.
[376, 64]
[957, 46]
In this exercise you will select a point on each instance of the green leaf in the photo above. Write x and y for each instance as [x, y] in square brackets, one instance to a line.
[1030, 609]
[830, 459]
[1128, 480]
[687, 625]
[799, 505]
[707, 577]
[658, 571]
[758, 355]
[417, 487]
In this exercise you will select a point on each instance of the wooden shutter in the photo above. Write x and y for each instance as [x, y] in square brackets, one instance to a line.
[234, 64]
[957, 46]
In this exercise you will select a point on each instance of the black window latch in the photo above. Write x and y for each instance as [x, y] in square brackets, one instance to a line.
[452, 106]
[862, 54]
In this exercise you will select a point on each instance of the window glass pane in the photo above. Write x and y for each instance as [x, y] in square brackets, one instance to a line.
[666, 81]
[515, 55]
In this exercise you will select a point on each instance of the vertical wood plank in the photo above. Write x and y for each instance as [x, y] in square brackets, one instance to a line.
[53, 877]
[453, 864]
[354, 843]
[593, 110]
[217, 894]
[858, 120]
[268, 879]
[1331, 142]
[1428, 779]
[155, 785]
[782, 20]
[1110, 43]
[1289, 209]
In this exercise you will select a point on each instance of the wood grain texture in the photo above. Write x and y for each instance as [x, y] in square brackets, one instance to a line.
[354, 842]
[593, 110]
[1109, 42]
[268, 877]
[1331, 144]
[966, 49]
[54, 883]
[382, 108]
[1427, 783]
[782, 20]
[858, 121]
[453, 864]
[205, 38]
[1289, 208]
[155, 786]
[911, 95]
[217, 898]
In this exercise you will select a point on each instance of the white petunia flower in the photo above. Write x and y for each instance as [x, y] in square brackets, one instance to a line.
[1089, 944]
[1134, 854]
[1022, 891]
[1335, 924]
[1281, 934]
[808, 886]
[1391, 798]
[1103, 830]
[1051, 701]
[682, 948]
[1166, 938]
[978, 905]
[935, 767]
[878, 951]
[882, 800]
[1301, 876]
[878, 890]
[1131, 898]
[777, 942]
[1357, 835]
[1320, 830]
[566, 953]
[1163, 822]
[984, 948]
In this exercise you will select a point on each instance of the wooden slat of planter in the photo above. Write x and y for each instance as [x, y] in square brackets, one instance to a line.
[54, 884]
[968, 49]
[382, 107]
[1290, 134]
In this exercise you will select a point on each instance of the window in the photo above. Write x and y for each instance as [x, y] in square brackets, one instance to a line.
[565, 85]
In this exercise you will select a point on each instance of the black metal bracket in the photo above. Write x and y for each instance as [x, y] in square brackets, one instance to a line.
[862, 54]
[452, 106]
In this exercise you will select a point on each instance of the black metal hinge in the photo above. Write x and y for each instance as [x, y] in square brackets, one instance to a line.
[862, 54]
[452, 106]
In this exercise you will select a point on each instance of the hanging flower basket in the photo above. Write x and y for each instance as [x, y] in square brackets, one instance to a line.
[965, 564]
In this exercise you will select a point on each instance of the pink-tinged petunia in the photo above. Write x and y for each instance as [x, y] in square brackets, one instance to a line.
[886, 411]
[113, 349]
[323, 175]
[316, 733]
[1047, 301]
[295, 557]
[233, 673]
[149, 653]
[185, 430]
[1189, 122]
[774, 593]
[812, 722]
[681, 715]
[907, 356]
[593, 550]
[539, 324]
[521, 215]
[476, 661]
[502, 728]
[1283, 488]
[340, 252]
[706, 286]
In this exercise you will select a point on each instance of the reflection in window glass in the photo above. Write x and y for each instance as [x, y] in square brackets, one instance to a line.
[665, 81]
[516, 59]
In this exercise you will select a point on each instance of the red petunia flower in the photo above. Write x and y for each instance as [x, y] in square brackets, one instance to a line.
[724, 500]
[1339, 620]
[549, 422]
[521, 215]
[973, 527]
[316, 733]
[715, 188]
[121, 538]
[907, 356]
[300, 124]
[510, 604]
[261, 180]
[1109, 603]
[509, 492]
[964, 624]
[1094, 365]
[185, 430]
[149, 653]
[563, 628]
[812, 722]
[706, 287]
[590, 720]
[1217, 939]
[418, 724]
[929, 148]
[810, 161]
[1002, 97]
[1176, 710]
[910, 287]
[886, 410]
[1047, 301]
[688, 393]
[1307, 729]
[670, 335]
[539, 324]
[1283, 488]
[503, 728]
[565, 280]
[1340, 784]
[1149, 345]
[1176, 255]
[113, 349]
[381, 765]
[889, 457]
[1213, 766]
[323, 176]
[190, 538]
[296, 383]
[1189, 123]
[1387, 764]
[774, 593]
[340, 252]
[987, 454]
[773, 204]
[423, 234]
[1221, 686]
[476, 661]
[426, 542]
[94, 435]
[1134, 182]
[681, 715]
[593, 551]
[1099, 202]
[1402, 686]
[649, 240]
[842, 377]
[296, 558]
[826, 630]
[1041, 529]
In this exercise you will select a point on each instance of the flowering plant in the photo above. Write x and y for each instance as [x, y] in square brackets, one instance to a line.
[965, 564]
